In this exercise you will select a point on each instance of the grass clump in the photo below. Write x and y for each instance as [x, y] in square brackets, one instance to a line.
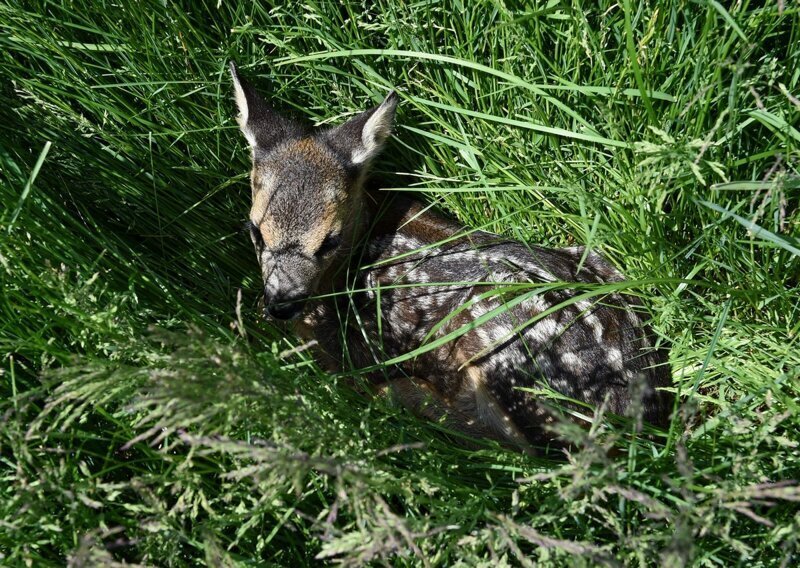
[143, 421]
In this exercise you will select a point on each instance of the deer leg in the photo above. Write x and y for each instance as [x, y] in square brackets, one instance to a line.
[462, 416]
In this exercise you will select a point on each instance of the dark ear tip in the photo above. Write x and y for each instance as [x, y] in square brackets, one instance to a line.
[391, 98]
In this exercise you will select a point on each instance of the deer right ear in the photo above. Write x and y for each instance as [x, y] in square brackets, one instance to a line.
[362, 137]
[261, 125]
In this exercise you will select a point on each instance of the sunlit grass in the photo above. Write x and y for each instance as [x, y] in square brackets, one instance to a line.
[142, 422]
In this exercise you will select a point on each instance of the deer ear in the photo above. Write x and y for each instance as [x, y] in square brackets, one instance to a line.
[261, 125]
[361, 138]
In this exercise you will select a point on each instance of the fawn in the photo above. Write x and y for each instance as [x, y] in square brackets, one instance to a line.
[416, 277]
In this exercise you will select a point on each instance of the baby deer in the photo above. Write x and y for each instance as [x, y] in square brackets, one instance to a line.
[373, 276]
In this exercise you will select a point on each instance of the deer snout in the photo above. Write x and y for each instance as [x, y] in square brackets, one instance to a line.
[286, 308]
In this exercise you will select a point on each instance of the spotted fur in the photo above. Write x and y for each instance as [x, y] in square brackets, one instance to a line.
[318, 232]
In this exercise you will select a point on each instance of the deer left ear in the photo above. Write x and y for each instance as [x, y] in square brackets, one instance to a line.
[261, 125]
[362, 138]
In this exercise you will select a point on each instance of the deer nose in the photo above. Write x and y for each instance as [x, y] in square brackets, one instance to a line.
[286, 308]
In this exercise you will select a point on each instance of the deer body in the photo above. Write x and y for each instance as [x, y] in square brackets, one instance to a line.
[417, 278]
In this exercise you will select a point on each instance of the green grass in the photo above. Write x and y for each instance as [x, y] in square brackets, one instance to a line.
[140, 422]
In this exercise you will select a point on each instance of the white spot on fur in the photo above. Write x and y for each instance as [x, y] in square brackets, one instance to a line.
[542, 331]
[614, 358]
[597, 328]
[571, 360]
[591, 319]
[536, 304]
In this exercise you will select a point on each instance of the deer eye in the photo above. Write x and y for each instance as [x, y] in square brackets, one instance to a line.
[255, 234]
[330, 244]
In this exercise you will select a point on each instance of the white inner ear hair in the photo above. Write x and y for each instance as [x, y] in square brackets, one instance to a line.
[374, 134]
[241, 103]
